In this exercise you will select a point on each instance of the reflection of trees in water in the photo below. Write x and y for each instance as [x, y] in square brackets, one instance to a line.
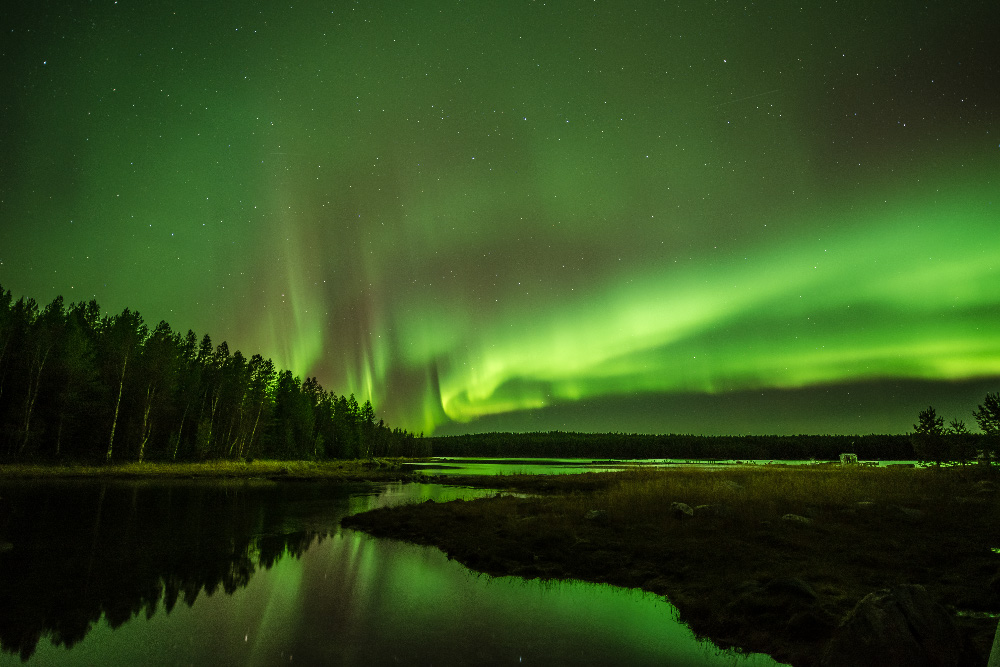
[81, 550]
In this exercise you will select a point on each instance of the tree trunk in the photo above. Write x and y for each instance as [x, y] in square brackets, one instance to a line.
[238, 419]
[62, 418]
[29, 406]
[114, 420]
[180, 431]
[253, 431]
[147, 426]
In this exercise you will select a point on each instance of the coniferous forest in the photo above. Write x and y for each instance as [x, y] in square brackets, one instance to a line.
[78, 385]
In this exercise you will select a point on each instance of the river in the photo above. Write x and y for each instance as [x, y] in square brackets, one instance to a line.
[260, 573]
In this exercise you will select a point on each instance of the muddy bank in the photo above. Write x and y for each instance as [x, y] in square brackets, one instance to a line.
[766, 563]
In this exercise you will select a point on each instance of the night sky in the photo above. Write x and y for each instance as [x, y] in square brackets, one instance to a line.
[700, 217]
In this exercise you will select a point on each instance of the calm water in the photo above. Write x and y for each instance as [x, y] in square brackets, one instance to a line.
[487, 466]
[252, 573]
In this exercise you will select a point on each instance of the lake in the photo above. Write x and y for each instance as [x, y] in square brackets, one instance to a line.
[260, 573]
[493, 466]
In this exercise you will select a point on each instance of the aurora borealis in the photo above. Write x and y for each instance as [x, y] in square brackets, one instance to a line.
[696, 217]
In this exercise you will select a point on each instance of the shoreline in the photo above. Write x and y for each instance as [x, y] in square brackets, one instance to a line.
[354, 470]
[739, 572]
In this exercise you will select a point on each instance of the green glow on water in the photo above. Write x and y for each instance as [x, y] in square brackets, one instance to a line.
[349, 598]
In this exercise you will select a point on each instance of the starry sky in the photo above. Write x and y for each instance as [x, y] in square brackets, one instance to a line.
[696, 217]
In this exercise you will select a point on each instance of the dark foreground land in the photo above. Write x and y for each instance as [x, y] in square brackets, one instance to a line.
[769, 559]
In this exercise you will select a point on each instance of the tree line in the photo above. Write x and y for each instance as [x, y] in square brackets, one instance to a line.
[82, 386]
[935, 442]
[557, 444]
[930, 441]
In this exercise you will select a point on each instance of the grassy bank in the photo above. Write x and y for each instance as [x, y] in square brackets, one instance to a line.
[740, 569]
[350, 470]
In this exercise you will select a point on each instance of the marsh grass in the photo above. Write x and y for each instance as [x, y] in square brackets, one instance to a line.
[751, 493]
[763, 492]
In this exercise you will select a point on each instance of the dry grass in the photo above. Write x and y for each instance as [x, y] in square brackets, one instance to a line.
[756, 492]
[746, 493]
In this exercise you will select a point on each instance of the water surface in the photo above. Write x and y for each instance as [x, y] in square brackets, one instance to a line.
[260, 573]
[557, 466]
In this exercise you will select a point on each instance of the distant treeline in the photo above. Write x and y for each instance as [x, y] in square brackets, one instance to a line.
[78, 385]
[639, 446]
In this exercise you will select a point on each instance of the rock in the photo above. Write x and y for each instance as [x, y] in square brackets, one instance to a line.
[865, 505]
[712, 510]
[5, 546]
[797, 519]
[783, 597]
[901, 625]
[681, 510]
[596, 515]
[792, 586]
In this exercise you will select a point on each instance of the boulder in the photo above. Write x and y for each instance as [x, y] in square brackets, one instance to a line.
[901, 625]
[712, 510]
[797, 519]
[787, 600]
[791, 586]
[596, 515]
[681, 510]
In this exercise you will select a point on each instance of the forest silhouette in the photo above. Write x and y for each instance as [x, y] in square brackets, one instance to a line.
[81, 386]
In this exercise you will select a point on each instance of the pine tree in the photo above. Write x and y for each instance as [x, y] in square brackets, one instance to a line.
[928, 440]
[988, 418]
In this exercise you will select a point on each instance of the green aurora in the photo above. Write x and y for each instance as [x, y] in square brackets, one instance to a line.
[479, 215]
